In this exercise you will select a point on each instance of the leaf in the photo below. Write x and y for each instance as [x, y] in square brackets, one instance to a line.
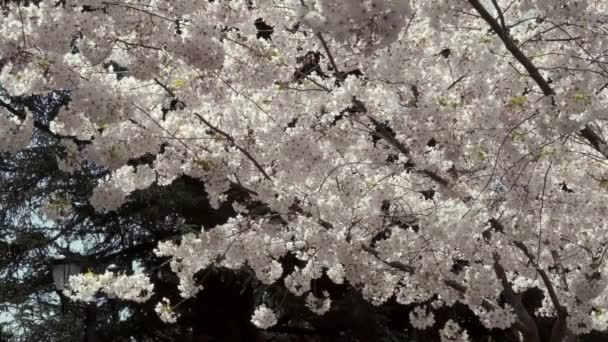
[518, 101]
[189, 228]
[604, 184]
[481, 155]
[580, 96]
[178, 83]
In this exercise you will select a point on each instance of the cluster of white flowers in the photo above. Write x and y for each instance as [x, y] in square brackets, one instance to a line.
[579, 322]
[483, 284]
[422, 318]
[270, 272]
[165, 311]
[452, 332]
[377, 22]
[588, 285]
[499, 318]
[263, 317]
[297, 282]
[15, 134]
[86, 286]
[318, 305]
[20, 81]
[111, 194]
[336, 273]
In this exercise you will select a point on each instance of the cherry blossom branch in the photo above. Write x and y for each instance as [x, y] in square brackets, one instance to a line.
[164, 86]
[127, 6]
[245, 96]
[394, 264]
[559, 330]
[528, 328]
[560, 267]
[513, 49]
[500, 15]
[587, 133]
[542, 207]
[593, 138]
[456, 82]
[22, 25]
[337, 72]
[167, 131]
[519, 324]
[233, 143]
[307, 76]
[561, 310]
[42, 127]
[384, 134]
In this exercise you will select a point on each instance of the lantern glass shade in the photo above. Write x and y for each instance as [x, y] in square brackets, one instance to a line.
[62, 272]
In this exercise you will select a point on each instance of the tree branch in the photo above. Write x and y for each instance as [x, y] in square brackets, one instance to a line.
[44, 128]
[528, 328]
[513, 49]
[500, 16]
[561, 310]
[231, 140]
[394, 264]
[486, 304]
[560, 330]
[337, 72]
[593, 138]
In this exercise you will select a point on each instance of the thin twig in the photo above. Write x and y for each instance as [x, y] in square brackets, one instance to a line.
[233, 142]
[22, 25]
[245, 96]
[337, 72]
[542, 205]
[162, 85]
[456, 82]
[500, 15]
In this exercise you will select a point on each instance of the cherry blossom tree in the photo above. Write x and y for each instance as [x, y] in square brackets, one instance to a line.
[411, 138]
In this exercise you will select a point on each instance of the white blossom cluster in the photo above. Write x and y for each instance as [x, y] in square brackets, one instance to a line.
[588, 286]
[452, 332]
[15, 134]
[318, 305]
[499, 318]
[270, 272]
[482, 285]
[86, 286]
[376, 22]
[579, 322]
[263, 317]
[421, 318]
[111, 194]
[165, 311]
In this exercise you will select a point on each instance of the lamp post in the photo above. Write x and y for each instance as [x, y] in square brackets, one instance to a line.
[62, 268]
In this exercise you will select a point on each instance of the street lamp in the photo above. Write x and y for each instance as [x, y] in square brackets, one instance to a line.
[62, 268]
